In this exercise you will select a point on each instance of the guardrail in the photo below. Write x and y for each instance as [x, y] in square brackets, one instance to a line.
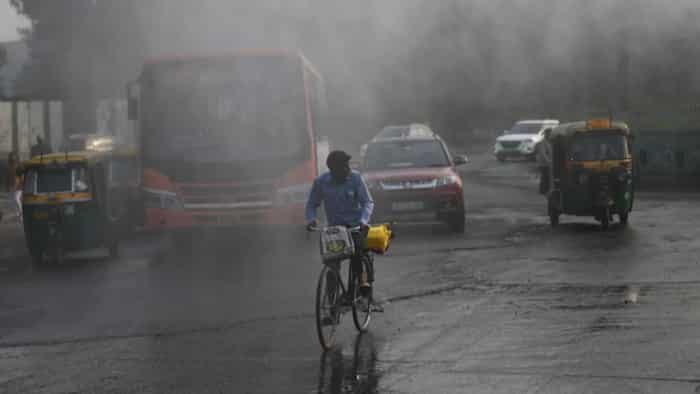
[668, 158]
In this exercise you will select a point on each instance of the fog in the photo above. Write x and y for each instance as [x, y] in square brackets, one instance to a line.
[459, 65]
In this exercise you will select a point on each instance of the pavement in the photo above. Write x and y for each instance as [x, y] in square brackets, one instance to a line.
[511, 306]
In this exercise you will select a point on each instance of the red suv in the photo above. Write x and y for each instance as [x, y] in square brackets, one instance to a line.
[415, 179]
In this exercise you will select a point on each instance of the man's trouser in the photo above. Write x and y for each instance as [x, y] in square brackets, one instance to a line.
[544, 180]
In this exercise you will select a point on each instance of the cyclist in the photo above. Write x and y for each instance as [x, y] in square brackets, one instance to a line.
[347, 202]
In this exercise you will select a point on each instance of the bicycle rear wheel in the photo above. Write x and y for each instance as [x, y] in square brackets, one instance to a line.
[328, 308]
[361, 303]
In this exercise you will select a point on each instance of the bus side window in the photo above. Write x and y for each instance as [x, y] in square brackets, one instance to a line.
[318, 106]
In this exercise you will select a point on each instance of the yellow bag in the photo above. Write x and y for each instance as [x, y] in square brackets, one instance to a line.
[379, 238]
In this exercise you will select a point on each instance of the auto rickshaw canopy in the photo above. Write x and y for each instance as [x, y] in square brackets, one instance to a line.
[85, 157]
[568, 130]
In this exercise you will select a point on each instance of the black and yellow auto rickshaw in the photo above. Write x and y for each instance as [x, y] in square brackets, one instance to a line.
[78, 201]
[591, 171]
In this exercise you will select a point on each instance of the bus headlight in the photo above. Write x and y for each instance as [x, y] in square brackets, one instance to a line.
[162, 199]
[295, 194]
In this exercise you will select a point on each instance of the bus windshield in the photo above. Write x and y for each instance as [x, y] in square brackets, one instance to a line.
[592, 147]
[232, 109]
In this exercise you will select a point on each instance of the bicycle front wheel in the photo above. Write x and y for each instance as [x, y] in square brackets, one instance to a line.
[361, 301]
[328, 313]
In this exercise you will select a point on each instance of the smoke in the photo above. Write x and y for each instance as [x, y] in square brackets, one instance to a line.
[457, 64]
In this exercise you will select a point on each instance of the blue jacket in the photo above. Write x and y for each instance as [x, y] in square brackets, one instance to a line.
[346, 204]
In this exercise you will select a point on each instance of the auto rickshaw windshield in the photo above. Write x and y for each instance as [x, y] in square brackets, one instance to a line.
[593, 147]
[56, 180]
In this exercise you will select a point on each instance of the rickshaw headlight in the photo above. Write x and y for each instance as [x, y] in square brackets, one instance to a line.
[583, 179]
[624, 176]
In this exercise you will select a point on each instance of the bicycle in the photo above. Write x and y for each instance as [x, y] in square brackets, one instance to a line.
[333, 296]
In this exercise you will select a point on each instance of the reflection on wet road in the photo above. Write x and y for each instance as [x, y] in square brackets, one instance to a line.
[356, 373]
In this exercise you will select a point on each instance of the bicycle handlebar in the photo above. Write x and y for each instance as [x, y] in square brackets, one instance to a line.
[318, 229]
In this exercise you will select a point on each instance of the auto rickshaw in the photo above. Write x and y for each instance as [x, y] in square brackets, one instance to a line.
[591, 171]
[78, 201]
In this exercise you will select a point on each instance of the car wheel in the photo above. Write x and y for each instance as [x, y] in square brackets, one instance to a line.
[501, 158]
[458, 223]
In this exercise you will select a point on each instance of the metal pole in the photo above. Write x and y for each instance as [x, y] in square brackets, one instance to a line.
[47, 123]
[15, 127]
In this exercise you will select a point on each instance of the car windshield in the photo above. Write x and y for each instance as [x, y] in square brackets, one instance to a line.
[526, 128]
[405, 154]
[394, 132]
[404, 131]
[599, 147]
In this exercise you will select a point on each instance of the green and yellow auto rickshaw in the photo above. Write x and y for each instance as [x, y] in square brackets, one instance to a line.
[591, 171]
[78, 201]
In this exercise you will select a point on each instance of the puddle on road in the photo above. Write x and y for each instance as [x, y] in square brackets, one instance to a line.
[606, 298]
[604, 323]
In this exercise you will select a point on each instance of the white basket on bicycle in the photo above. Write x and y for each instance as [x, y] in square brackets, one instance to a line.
[336, 243]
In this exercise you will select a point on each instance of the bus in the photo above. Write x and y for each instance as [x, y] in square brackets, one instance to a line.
[228, 140]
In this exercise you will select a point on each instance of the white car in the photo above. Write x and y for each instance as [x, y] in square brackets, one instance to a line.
[522, 139]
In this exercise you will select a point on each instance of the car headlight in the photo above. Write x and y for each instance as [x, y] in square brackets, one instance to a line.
[528, 145]
[162, 199]
[447, 180]
[295, 194]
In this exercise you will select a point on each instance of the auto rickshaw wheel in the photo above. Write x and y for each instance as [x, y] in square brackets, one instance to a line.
[605, 219]
[37, 259]
[457, 224]
[553, 214]
[553, 219]
[624, 218]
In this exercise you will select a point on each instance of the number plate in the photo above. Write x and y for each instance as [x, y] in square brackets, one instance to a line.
[407, 206]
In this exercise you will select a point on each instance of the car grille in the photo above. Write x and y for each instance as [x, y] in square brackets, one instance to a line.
[409, 184]
[510, 144]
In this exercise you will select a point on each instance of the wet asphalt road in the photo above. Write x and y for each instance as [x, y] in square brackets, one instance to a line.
[509, 307]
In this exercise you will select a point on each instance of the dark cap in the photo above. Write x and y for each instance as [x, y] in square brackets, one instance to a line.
[337, 158]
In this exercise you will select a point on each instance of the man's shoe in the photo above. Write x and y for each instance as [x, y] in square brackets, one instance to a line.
[366, 289]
